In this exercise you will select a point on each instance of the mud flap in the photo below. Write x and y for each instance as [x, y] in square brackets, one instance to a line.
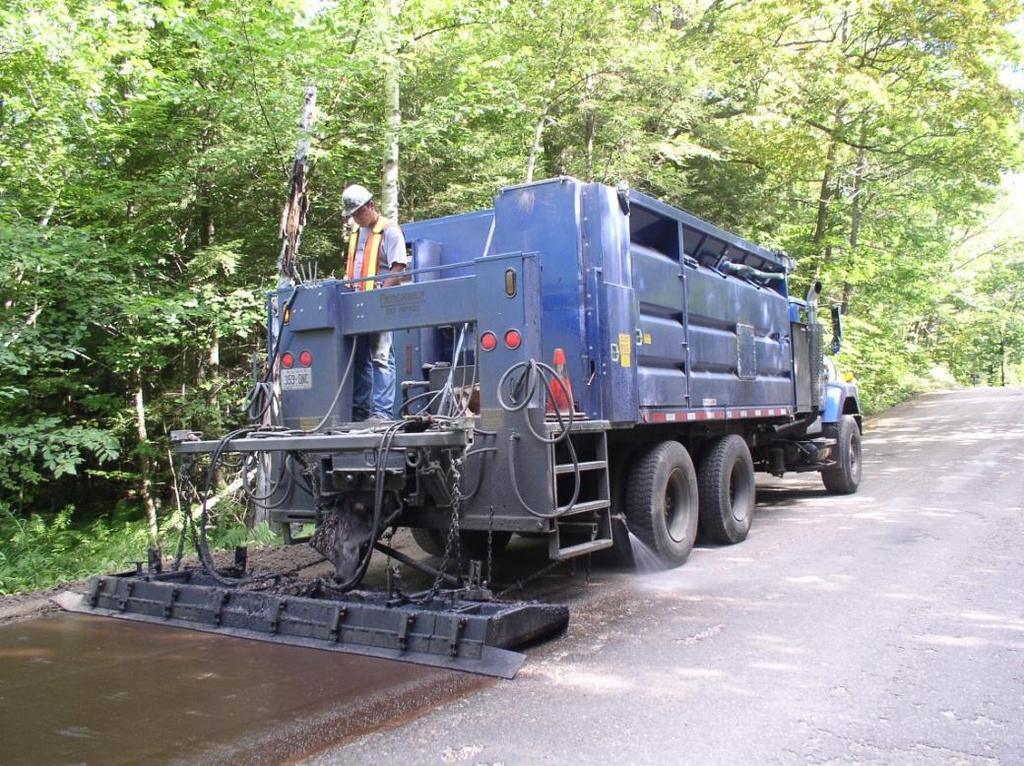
[472, 636]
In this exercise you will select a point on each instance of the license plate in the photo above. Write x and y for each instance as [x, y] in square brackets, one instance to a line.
[297, 379]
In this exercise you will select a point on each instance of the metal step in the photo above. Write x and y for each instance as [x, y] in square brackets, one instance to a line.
[591, 505]
[444, 631]
[581, 549]
[590, 465]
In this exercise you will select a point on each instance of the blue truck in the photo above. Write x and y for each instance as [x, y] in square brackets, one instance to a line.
[604, 363]
[581, 364]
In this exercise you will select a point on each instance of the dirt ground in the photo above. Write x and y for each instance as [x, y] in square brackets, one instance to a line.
[303, 560]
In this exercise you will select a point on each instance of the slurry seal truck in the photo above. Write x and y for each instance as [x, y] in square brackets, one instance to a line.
[581, 364]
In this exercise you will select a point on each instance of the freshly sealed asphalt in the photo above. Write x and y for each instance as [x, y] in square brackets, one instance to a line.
[884, 627]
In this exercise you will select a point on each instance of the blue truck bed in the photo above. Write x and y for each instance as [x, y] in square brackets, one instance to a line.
[653, 327]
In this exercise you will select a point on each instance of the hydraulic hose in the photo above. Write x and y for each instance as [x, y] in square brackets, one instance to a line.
[521, 393]
[337, 394]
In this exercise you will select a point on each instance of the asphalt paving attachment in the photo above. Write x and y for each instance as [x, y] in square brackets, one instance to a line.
[455, 630]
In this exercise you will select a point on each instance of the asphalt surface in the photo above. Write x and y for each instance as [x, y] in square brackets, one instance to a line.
[881, 628]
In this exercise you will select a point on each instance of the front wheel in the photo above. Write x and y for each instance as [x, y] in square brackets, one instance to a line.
[843, 478]
[661, 502]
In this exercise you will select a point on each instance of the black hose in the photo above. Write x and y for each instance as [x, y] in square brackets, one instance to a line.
[378, 502]
[522, 392]
[513, 480]
[337, 393]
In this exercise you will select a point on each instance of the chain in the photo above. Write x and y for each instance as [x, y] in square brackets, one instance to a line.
[520, 584]
[187, 492]
[453, 543]
[490, 544]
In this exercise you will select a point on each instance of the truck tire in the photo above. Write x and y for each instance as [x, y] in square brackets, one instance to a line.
[661, 502]
[843, 478]
[474, 542]
[430, 540]
[727, 491]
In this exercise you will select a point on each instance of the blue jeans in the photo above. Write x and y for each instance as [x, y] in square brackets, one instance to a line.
[373, 382]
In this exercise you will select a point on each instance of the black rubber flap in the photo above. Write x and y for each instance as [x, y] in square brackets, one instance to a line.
[475, 637]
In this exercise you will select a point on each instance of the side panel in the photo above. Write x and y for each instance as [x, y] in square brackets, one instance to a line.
[610, 312]
[661, 354]
[619, 365]
[721, 311]
[710, 339]
[545, 218]
[314, 326]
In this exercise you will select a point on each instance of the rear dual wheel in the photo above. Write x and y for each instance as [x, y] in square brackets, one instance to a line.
[727, 490]
[661, 502]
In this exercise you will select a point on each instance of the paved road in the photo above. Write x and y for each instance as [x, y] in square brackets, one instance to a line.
[886, 627]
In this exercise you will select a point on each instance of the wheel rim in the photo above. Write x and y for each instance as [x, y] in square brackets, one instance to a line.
[855, 456]
[675, 500]
[740, 494]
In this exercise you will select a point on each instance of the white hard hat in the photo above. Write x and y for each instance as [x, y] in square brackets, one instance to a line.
[353, 198]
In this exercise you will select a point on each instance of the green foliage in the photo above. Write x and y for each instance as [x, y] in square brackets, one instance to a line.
[38, 552]
[144, 147]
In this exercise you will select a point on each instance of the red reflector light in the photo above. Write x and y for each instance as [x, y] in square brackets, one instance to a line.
[287, 360]
[488, 341]
[305, 359]
[513, 339]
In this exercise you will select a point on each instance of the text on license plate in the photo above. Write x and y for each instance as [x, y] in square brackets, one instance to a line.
[293, 380]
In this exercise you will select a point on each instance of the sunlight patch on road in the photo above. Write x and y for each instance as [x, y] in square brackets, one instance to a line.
[784, 667]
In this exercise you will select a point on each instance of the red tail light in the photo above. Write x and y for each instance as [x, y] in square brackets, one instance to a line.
[488, 341]
[287, 360]
[560, 396]
[513, 339]
[305, 359]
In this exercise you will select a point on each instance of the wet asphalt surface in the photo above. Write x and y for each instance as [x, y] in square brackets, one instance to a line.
[885, 627]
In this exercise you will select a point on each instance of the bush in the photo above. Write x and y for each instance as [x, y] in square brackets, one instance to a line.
[38, 552]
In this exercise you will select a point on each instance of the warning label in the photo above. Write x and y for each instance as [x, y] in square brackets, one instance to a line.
[625, 349]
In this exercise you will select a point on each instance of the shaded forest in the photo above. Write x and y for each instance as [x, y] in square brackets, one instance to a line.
[144, 155]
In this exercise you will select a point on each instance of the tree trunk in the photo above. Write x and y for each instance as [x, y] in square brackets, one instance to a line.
[44, 220]
[825, 195]
[145, 471]
[589, 125]
[393, 106]
[538, 134]
[858, 191]
[1002, 360]
[538, 131]
[827, 186]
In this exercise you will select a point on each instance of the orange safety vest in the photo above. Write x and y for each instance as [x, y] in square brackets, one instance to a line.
[370, 254]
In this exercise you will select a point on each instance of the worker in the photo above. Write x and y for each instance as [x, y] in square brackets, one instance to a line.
[377, 248]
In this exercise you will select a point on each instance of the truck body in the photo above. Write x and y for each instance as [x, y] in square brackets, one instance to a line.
[666, 329]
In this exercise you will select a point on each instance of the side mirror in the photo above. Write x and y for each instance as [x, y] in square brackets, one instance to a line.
[837, 329]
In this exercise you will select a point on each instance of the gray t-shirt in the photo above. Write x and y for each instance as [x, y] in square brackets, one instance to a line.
[392, 249]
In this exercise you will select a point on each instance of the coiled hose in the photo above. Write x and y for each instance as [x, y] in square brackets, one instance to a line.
[521, 391]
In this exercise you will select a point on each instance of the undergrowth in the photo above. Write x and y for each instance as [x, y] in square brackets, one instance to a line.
[39, 552]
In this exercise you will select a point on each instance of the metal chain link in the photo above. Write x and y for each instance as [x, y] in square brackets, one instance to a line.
[490, 544]
[520, 584]
[453, 542]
